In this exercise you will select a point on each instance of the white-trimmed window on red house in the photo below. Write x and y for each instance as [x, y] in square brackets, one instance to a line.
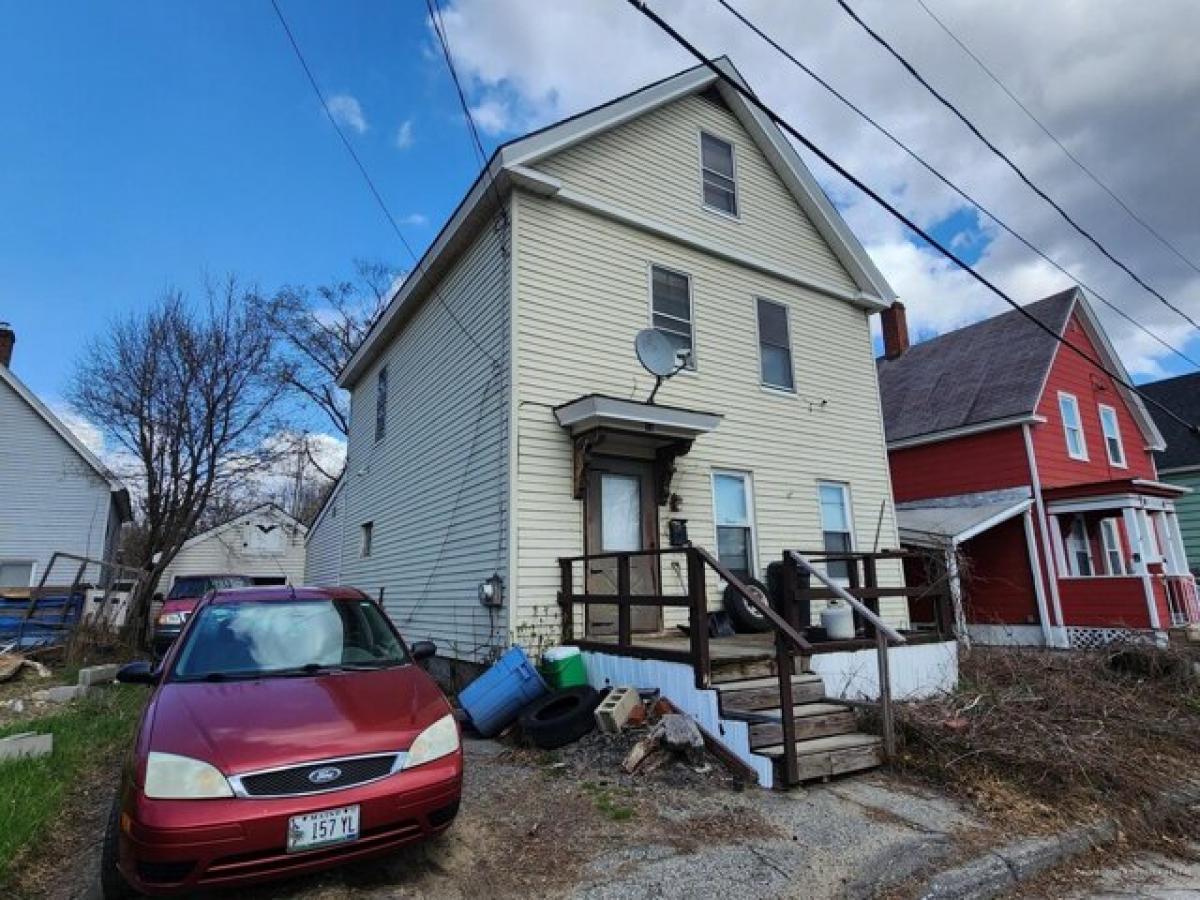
[1068, 406]
[1110, 539]
[1079, 549]
[1111, 427]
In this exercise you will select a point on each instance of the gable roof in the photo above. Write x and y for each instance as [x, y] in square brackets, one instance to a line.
[509, 168]
[242, 519]
[119, 491]
[991, 372]
[1182, 394]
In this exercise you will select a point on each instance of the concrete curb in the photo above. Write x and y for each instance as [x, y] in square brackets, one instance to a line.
[1004, 868]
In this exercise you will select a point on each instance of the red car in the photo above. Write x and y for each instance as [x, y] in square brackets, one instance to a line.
[181, 602]
[289, 730]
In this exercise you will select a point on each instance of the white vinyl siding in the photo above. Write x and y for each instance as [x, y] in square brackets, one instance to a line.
[436, 487]
[1111, 428]
[733, 510]
[671, 310]
[1068, 406]
[774, 345]
[647, 167]
[322, 547]
[718, 174]
[567, 348]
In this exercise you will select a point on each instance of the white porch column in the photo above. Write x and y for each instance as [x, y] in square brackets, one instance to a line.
[1133, 519]
[955, 580]
[1039, 589]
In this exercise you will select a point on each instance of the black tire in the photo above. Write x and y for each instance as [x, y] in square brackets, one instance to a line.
[560, 717]
[745, 617]
[113, 885]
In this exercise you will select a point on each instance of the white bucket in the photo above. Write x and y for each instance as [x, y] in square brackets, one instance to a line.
[838, 621]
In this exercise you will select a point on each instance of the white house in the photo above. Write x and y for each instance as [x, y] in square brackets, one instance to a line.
[265, 543]
[55, 495]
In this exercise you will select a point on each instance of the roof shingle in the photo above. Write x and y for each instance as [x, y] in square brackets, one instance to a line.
[1181, 394]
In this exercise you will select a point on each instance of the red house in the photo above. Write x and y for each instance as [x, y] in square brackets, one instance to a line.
[1033, 470]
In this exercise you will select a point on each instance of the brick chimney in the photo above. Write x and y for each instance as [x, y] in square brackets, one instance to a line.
[8, 337]
[895, 330]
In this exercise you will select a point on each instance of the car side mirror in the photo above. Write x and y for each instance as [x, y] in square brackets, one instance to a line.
[424, 650]
[140, 672]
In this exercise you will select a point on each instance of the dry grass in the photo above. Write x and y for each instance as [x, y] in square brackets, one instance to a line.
[1038, 737]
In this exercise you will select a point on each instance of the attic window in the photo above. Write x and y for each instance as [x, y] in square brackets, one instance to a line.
[1112, 436]
[717, 170]
[1068, 406]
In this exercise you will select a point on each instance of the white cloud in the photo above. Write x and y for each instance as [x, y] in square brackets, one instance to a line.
[347, 111]
[415, 219]
[1110, 86]
[91, 436]
[404, 135]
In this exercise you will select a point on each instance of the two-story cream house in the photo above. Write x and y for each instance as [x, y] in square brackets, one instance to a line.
[499, 414]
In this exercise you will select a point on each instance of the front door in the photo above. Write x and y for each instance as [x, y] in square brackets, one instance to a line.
[621, 515]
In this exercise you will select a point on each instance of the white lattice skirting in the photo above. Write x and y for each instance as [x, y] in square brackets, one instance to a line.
[1096, 638]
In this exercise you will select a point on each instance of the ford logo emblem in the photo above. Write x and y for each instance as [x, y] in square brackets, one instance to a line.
[325, 775]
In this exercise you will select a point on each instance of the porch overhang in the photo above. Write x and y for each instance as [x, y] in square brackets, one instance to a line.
[1138, 493]
[612, 426]
[945, 522]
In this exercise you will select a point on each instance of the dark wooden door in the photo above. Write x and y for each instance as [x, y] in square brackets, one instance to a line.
[621, 514]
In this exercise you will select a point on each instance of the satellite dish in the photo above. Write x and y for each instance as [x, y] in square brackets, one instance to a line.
[655, 352]
[658, 356]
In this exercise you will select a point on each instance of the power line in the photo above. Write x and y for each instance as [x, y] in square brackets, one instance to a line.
[362, 170]
[1012, 165]
[947, 182]
[782, 123]
[1045, 130]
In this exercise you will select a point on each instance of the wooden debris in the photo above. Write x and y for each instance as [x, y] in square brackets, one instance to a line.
[676, 732]
[10, 664]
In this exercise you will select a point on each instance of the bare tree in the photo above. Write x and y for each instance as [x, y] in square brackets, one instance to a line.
[187, 392]
[321, 328]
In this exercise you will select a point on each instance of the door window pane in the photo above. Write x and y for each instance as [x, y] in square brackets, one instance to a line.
[620, 512]
[735, 539]
[1113, 556]
[1078, 551]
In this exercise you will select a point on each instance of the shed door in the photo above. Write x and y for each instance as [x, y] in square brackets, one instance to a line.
[621, 515]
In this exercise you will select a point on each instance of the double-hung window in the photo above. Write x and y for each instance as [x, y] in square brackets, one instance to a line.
[775, 346]
[366, 539]
[835, 526]
[1079, 550]
[717, 171]
[733, 507]
[381, 392]
[671, 308]
[1114, 559]
[1112, 436]
[1068, 406]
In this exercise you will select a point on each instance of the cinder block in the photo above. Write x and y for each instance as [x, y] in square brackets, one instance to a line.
[616, 708]
[62, 693]
[97, 675]
[28, 744]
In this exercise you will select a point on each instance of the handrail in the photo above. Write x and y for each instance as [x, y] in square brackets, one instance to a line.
[769, 614]
[861, 608]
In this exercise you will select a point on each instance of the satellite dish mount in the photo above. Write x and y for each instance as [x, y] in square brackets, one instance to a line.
[658, 357]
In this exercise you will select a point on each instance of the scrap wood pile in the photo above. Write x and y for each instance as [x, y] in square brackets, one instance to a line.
[1071, 731]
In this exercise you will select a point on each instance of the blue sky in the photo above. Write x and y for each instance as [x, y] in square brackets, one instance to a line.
[146, 144]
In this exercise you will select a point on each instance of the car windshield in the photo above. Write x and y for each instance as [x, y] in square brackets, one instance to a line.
[199, 585]
[287, 637]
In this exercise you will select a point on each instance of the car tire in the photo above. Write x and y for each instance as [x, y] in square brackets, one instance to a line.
[560, 717]
[745, 617]
[113, 885]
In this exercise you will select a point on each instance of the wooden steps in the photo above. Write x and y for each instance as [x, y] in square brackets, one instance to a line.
[827, 742]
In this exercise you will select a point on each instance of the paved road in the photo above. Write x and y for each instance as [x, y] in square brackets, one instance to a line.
[1146, 876]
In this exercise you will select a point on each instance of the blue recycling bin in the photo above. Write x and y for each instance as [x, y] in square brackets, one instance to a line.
[496, 697]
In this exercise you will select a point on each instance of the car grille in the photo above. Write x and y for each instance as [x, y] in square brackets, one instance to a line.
[296, 780]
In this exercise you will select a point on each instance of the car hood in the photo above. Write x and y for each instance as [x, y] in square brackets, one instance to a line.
[242, 726]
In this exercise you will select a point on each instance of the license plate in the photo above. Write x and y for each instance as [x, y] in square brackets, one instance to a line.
[320, 829]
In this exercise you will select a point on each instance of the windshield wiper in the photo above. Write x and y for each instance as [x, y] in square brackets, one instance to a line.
[373, 666]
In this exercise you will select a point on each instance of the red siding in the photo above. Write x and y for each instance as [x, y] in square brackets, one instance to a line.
[1072, 374]
[1110, 602]
[978, 462]
[997, 579]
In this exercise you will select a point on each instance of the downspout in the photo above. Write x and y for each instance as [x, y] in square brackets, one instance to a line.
[1044, 522]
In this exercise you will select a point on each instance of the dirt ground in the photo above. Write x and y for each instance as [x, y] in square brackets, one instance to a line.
[565, 825]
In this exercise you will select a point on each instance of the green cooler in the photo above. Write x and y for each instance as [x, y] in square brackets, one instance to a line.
[562, 667]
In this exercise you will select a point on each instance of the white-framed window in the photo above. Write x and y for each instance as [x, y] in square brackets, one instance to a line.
[16, 573]
[1079, 549]
[774, 345]
[1112, 435]
[671, 309]
[1068, 406]
[1114, 557]
[381, 397]
[836, 532]
[718, 174]
[733, 512]
[366, 539]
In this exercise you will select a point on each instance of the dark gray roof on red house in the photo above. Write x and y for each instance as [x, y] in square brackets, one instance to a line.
[984, 372]
[1181, 394]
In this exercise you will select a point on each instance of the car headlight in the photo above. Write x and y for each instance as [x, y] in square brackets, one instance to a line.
[438, 740]
[172, 619]
[172, 777]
